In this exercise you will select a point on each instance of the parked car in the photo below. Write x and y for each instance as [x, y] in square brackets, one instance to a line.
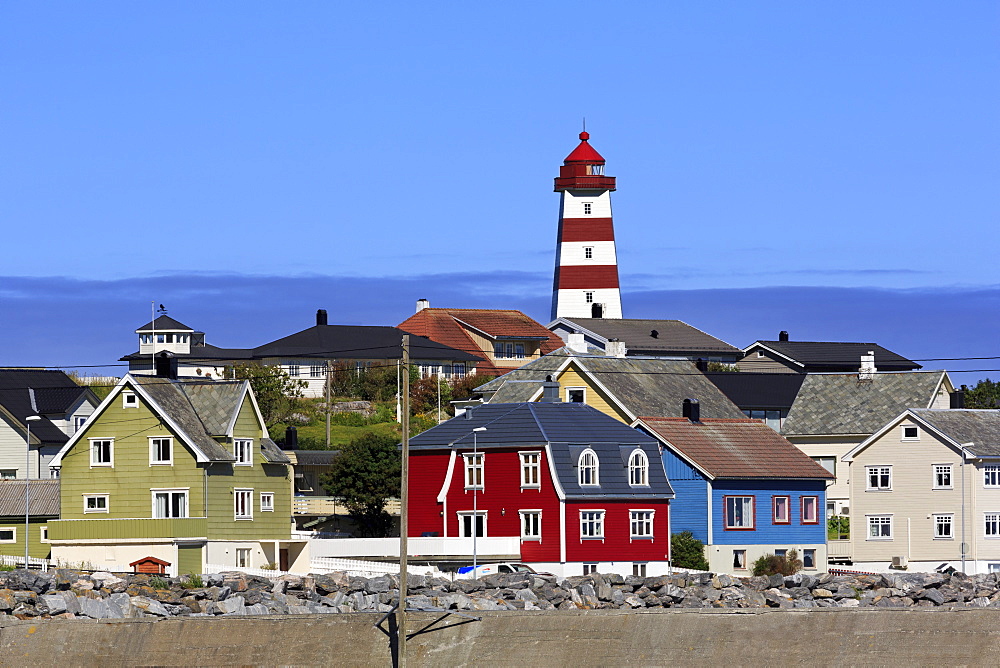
[483, 570]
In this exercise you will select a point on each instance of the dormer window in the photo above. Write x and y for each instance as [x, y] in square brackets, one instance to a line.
[638, 469]
[588, 474]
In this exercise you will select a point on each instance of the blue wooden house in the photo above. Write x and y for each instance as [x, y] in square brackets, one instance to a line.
[743, 490]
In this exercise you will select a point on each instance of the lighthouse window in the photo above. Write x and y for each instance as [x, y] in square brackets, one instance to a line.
[586, 208]
[595, 170]
[589, 296]
[588, 252]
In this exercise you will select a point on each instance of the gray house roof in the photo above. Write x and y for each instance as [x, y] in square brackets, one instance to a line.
[835, 356]
[644, 386]
[43, 498]
[979, 427]
[653, 337]
[567, 429]
[837, 403]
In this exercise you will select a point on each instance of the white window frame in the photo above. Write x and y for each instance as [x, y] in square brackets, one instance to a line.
[153, 461]
[880, 521]
[247, 495]
[991, 471]
[294, 370]
[105, 509]
[316, 371]
[994, 520]
[267, 502]
[639, 569]
[12, 539]
[589, 567]
[170, 492]
[745, 517]
[942, 520]
[463, 515]
[740, 559]
[638, 469]
[531, 529]
[809, 553]
[130, 400]
[243, 557]
[939, 470]
[78, 422]
[808, 499]
[907, 427]
[879, 471]
[531, 469]
[592, 524]
[43, 534]
[518, 351]
[576, 389]
[475, 470]
[643, 520]
[588, 469]
[111, 453]
[243, 451]
[8, 474]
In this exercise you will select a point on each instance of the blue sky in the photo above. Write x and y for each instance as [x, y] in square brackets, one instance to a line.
[183, 152]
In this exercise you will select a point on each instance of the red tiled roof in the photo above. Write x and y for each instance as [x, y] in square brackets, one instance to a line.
[445, 325]
[732, 448]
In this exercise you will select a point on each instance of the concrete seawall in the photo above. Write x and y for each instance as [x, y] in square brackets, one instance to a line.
[830, 637]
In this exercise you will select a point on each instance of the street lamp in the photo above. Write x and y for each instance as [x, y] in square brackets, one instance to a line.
[27, 475]
[475, 488]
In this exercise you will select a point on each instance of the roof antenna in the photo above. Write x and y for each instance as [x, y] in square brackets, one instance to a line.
[584, 123]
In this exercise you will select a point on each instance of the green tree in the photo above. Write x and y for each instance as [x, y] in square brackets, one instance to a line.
[715, 367]
[366, 475]
[687, 551]
[275, 390]
[986, 394]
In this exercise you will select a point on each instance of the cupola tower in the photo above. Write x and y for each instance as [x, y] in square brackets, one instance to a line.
[586, 276]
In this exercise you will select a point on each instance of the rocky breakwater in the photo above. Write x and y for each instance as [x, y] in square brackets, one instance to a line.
[71, 594]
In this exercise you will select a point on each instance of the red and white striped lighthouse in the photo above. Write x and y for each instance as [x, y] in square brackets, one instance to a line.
[586, 278]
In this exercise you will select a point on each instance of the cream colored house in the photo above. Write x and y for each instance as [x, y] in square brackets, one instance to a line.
[834, 412]
[925, 492]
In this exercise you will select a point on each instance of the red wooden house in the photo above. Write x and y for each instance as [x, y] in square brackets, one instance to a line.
[580, 490]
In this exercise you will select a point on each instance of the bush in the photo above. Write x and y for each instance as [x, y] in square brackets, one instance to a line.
[687, 551]
[838, 527]
[771, 564]
[192, 582]
[157, 582]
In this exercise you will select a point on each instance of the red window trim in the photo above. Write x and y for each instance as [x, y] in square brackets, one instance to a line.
[725, 517]
[774, 509]
[802, 507]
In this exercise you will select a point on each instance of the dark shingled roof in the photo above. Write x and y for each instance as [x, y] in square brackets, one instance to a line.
[979, 427]
[313, 457]
[272, 453]
[644, 386]
[55, 393]
[207, 353]
[827, 356]
[162, 323]
[736, 448]
[758, 390]
[836, 403]
[672, 336]
[43, 498]
[567, 429]
[358, 342]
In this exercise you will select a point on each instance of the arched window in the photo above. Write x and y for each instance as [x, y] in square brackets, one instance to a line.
[638, 468]
[588, 468]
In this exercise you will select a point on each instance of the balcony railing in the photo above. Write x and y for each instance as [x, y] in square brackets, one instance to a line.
[331, 505]
[114, 529]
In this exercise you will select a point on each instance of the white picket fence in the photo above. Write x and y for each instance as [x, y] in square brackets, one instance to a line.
[323, 565]
[18, 562]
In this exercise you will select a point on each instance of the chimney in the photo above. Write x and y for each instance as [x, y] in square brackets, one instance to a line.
[868, 369]
[576, 342]
[291, 438]
[615, 348]
[782, 335]
[691, 409]
[550, 391]
[702, 365]
[321, 317]
[422, 304]
[468, 413]
[958, 398]
[655, 334]
[166, 365]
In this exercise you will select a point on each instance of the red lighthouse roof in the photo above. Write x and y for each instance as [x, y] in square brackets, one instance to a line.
[584, 152]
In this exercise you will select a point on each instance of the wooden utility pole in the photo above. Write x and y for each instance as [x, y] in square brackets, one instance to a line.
[403, 493]
[328, 404]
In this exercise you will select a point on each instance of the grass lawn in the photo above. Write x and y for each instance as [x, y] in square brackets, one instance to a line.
[340, 435]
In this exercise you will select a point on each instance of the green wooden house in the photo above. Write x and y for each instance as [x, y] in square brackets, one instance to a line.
[42, 507]
[180, 470]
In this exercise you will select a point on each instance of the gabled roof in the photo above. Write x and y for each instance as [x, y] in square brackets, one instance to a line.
[358, 342]
[758, 390]
[43, 498]
[735, 448]
[672, 337]
[566, 429]
[55, 394]
[837, 403]
[449, 326]
[642, 386]
[163, 323]
[974, 429]
[834, 356]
